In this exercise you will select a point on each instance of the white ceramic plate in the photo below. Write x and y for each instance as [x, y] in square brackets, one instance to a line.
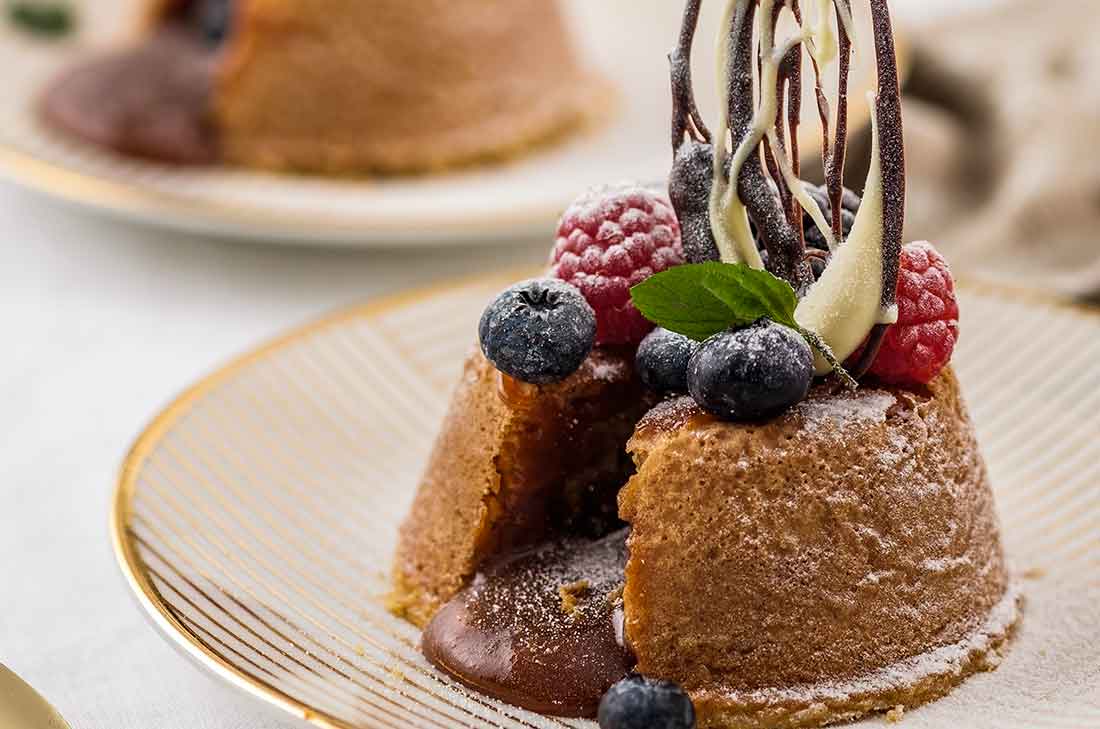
[625, 39]
[255, 519]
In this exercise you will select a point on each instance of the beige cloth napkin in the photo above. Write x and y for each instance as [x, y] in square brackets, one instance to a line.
[1003, 138]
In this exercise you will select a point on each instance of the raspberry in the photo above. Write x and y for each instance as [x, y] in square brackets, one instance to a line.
[920, 344]
[608, 240]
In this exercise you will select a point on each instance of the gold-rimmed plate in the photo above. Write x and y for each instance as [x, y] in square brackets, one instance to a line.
[624, 40]
[255, 518]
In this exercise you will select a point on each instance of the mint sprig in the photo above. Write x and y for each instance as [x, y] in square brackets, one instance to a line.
[46, 18]
[702, 299]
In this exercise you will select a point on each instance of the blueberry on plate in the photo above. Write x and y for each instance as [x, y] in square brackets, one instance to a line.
[751, 373]
[538, 331]
[213, 18]
[662, 360]
[637, 702]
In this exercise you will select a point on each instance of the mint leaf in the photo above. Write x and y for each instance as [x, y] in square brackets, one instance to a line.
[702, 299]
[47, 18]
[676, 300]
[751, 294]
[699, 300]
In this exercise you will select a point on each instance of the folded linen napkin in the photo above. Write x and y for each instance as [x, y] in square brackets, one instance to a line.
[1003, 139]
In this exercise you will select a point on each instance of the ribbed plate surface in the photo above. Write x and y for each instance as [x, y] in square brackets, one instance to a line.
[256, 517]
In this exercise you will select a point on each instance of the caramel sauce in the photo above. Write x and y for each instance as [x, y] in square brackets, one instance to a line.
[540, 629]
[514, 393]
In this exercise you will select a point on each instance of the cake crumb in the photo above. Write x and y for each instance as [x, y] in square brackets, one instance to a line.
[360, 650]
[895, 714]
[1034, 573]
[571, 595]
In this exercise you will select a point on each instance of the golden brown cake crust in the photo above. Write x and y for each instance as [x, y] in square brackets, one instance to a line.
[390, 86]
[501, 464]
[807, 569]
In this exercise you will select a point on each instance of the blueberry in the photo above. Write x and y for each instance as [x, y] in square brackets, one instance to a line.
[819, 261]
[751, 373]
[637, 702]
[662, 360]
[213, 18]
[849, 206]
[538, 331]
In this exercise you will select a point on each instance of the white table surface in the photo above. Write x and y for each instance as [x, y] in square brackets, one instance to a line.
[103, 323]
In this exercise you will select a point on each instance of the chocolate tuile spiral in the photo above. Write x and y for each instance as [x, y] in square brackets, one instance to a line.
[827, 152]
[892, 164]
[792, 72]
[783, 245]
[685, 112]
[891, 150]
[834, 167]
[771, 216]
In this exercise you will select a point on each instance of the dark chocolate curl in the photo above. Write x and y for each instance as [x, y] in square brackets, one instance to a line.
[792, 65]
[784, 246]
[891, 150]
[834, 170]
[685, 113]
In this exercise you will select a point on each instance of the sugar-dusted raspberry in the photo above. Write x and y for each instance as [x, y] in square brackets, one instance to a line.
[919, 346]
[608, 240]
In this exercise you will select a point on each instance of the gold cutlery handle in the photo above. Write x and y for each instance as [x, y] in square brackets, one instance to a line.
[21, 707]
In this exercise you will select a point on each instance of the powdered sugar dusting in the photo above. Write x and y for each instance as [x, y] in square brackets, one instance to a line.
[608, 370]
[976, 651]
[946, 564]
[873, 578]
[844, 409]
[529, 594]
[669, 414]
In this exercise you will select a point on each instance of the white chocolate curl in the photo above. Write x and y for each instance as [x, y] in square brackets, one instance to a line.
[729, 221]
[845, 304]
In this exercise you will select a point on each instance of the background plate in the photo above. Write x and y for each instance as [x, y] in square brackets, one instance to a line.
[256, 517]
[626, 40]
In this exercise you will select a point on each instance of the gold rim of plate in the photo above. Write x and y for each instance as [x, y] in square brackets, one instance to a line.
[121, 527]
[89, 190]
[125, 549]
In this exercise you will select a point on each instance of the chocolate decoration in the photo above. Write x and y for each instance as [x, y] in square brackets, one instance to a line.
[783, 246]
[891, 150]
[792, 72]
[834, 168]
[692, 175]
[541, 629]
[685, 113]
[788, 88]
[866, 358]
[770, 161]
[774, 210]
[826, 147]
